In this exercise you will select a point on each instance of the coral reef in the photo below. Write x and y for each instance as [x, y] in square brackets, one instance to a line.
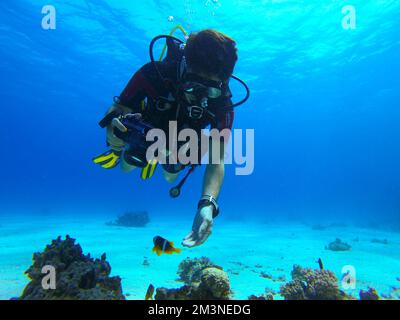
[131, 219]
[205, 282]
[309, 284]
[268, 295]
[338, 245]
[189, 270]
[181, 293]
[381, 241]
[214, 284]
[253, 297]
[265, 275]
[371, 294]
[78, 276]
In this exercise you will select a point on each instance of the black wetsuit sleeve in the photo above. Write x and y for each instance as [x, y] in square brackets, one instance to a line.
[139, 87]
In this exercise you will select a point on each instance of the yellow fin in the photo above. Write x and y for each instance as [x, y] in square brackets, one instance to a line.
[107, 160]
[153, 168]
[111, 164]
[101, 158]
[143, 174]
[148, 170]
[172, 250]
[157, 250]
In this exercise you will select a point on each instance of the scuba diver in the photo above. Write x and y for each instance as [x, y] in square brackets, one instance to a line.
[189, 86]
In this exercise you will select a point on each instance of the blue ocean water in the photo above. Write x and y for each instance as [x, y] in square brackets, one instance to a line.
[324, 108]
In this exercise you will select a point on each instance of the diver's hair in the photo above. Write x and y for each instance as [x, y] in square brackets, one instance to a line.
[212, 53]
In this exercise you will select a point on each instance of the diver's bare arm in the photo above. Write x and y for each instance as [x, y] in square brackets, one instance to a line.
[203, 221]
[214, 176]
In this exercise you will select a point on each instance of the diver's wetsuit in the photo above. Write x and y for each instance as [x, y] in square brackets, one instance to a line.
[161, 106]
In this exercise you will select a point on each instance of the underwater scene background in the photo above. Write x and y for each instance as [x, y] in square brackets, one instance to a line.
[324, 107]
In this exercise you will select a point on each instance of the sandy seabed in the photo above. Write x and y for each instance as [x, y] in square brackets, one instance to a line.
[245, 250]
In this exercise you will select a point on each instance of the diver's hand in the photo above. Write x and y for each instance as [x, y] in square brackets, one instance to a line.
[201, 229]
[115, 142]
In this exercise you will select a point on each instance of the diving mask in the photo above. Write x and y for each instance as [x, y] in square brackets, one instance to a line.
[197, 91]
[200, 87]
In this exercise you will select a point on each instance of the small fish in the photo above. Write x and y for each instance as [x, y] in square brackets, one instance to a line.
[162, 245]
[149, 292]
[321, 265]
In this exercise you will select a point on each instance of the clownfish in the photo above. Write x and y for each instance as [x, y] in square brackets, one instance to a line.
[162, 245]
